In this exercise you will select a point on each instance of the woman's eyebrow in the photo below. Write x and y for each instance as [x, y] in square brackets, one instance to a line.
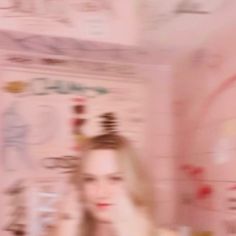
[115, 173]
[87, 174]
[108, 174]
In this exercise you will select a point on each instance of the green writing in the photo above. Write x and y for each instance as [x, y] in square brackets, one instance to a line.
[46, 86]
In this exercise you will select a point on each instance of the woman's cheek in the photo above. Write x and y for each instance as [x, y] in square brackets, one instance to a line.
[117, 188]
[89, 192]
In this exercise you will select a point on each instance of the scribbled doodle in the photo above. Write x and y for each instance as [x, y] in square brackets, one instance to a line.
[18, 134]
[43, 86]
[46, 211]
[78, 49]
[37, 8]
[78, 108]
[17, 6]
[15, 136]
[190, 7]
[95, 6]
[17, 222]
[52, 61]
[78, 123]
[230, 200]
[16, 87]
[20, 59]
[47, 86]
[206, 57]
[66, 163]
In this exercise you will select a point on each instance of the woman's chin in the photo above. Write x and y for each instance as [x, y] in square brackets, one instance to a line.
[103, 218]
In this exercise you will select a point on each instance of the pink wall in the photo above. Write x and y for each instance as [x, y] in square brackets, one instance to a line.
[126, 86]
[206, 90]
[162, 140]
[192, 114]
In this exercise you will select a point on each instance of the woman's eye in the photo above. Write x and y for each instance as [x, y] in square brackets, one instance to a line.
[89, 179]
[116, 178]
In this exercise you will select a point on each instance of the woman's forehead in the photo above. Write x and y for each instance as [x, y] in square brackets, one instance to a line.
[101, 162]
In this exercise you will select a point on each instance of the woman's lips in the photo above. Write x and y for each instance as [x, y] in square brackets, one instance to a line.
[102, 205]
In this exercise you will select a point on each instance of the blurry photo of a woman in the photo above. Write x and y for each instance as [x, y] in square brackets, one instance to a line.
[114, 188]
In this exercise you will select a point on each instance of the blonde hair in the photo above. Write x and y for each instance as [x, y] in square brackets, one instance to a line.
[138, 181]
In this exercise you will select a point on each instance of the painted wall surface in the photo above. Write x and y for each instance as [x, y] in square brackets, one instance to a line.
[95, 20]
[47, 110]
[206, 134]
[162, 144]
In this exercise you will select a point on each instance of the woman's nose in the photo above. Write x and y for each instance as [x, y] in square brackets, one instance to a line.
[103, 189]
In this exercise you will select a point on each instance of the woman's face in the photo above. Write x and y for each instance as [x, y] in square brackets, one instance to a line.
[102, 180]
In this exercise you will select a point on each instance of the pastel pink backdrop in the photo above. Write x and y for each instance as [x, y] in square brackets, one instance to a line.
[205, 137]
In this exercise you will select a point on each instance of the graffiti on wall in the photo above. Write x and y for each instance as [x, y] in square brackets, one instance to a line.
[19, 134]
[17, 218]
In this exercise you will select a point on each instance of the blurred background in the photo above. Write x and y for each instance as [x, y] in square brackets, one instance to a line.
[166, 67]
